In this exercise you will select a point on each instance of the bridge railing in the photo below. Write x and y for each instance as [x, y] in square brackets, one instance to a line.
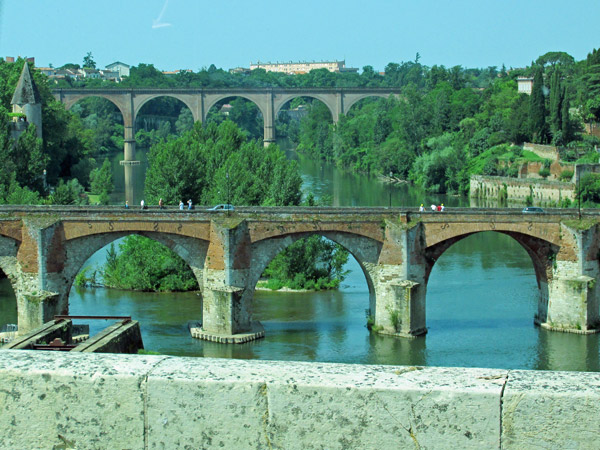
[243, 210]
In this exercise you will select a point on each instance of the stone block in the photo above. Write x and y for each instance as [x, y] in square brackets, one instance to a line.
[216, 403]
[207, 404]
[554, 410]
[318, 406]
[95, 403]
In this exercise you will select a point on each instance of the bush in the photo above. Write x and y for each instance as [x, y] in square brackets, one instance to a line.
[565, 203]
[566, 175]
[84, 279]
[544, 173]
[513, 171]
[274, 284]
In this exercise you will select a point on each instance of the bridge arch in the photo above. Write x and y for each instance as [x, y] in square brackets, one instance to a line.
[191, 102]
[79, 250]
[354, 99]
[10, 267]
[258, 100]
[365, 250]
[542, 252]
[119, 102]
[327, 99]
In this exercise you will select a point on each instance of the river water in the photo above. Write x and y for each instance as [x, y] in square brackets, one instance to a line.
[481, 300]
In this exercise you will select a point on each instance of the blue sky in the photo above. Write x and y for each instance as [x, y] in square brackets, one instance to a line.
[191, 34]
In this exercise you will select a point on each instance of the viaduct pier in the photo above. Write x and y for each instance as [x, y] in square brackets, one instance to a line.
[43, 248]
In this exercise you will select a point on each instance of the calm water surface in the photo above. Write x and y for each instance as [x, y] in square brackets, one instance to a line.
[481, 300]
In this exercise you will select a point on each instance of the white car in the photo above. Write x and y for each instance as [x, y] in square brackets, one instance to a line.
[222, 207]
[533, 210]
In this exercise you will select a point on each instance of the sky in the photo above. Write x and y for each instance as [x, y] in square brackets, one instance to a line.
[192, 34]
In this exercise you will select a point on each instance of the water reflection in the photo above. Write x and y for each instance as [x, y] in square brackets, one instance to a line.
[565, 351]
[8, 303]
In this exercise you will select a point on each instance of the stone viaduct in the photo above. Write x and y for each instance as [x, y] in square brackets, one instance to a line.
[268, 100]
[43, 248]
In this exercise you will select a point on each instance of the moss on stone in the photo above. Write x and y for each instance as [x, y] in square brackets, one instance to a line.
[581, 225]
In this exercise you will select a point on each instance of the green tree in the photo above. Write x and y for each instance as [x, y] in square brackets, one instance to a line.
[311, 263]
[556, 109]
[589, 189]
[88, 61]
[101, 181]
[537, 109]
[69, 193]
[132, 268]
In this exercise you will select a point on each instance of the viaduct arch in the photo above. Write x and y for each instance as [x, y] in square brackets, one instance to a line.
[268, 100]
[43, 248]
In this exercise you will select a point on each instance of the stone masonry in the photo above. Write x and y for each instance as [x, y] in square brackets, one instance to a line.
[43, 248]
[108, 401]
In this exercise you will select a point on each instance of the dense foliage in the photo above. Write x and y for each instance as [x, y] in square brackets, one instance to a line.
[132, 268]
[444, 118]
[65, 151]
[218, 164]
[312, 263]
[432, 134]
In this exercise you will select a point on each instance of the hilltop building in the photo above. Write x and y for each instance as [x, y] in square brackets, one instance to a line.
[113, 72]
[121, 68]
[303, 67]
[11, 59]
[26, 105]
[525, 85]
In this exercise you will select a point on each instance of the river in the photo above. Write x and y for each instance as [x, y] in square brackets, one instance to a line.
[481, 300]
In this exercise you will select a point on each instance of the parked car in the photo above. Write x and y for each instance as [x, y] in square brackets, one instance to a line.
[222, 207]
[533, 210]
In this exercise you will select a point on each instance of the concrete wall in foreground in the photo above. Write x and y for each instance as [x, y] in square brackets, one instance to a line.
[100, 401]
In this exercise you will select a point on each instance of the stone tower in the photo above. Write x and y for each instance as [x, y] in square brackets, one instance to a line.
[27, 100]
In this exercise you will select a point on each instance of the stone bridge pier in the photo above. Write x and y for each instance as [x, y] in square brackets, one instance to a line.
[42, 250]
[237, 256]
[397, 265]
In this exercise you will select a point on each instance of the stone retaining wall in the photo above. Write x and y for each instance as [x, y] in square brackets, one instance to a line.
[543, 151]
[99, 401]
[542, 191]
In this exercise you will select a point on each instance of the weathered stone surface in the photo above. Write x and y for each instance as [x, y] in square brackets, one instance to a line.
[44, 248]
[551, 410]
[102, 401]
[379, 407]
[289, 405]
[95, 402]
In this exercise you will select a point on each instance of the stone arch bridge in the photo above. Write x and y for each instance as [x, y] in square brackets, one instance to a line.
[268, 100]
[43, 248]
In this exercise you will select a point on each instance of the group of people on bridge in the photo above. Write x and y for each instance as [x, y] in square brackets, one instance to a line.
[439, 208]
[161, 204]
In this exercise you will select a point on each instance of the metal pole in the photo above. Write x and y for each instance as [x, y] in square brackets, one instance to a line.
[228, 202]
[390, 188]
[578, 192]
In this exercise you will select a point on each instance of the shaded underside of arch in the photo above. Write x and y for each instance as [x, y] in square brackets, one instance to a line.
[365, 250]
[326, 100]
[217, 98]
[181, 97]
[539, 251]
[354, 100]
[70, 101]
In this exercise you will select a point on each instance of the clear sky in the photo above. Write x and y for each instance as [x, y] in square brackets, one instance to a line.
[191, 34]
